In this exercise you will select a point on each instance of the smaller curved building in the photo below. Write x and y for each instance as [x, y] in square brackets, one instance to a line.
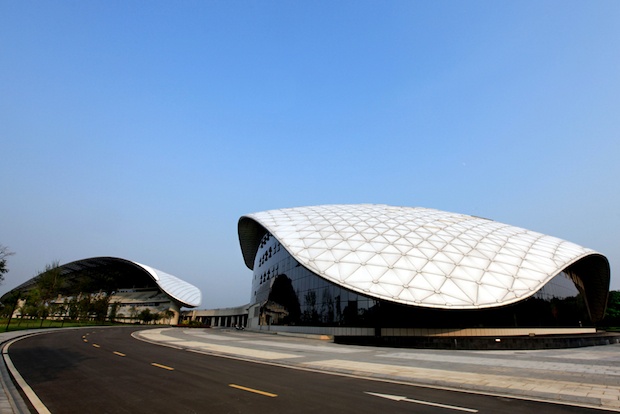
[388, 271]
[128, 286]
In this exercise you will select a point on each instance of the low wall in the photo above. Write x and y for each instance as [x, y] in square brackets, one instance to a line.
[485, 331]
[316, 330]
[484, 343]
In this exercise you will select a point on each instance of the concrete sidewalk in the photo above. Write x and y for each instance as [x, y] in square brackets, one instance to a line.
[582, 376]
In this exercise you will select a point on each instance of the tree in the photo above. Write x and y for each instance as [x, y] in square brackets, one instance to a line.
[72, 308]
[4, 253]
[49, 281]
[612, 317]
[99, 307]
[168, 314]
[133, 312]
[31, 304]
[146, 316]
[113, 314]
[10, 304]
[83, 306]
[39, 299]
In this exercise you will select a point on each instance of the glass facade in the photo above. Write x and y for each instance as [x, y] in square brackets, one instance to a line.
[289, 294]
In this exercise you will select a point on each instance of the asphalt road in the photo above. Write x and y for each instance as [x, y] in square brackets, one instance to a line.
[105, 370]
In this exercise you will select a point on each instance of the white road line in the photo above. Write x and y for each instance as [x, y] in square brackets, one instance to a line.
[34, 399]
[399, 398]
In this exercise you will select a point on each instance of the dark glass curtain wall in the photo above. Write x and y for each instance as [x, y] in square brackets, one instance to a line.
[290, 294]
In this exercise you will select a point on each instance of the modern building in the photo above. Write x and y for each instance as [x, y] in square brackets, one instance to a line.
[127, 287]
[383, 271]
[218, 318]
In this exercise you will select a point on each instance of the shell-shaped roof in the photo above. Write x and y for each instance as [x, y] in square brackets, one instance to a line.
[183, 292]
[419, 256]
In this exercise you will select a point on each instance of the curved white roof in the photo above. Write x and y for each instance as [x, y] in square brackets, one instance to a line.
[418, 256]
[185, 293]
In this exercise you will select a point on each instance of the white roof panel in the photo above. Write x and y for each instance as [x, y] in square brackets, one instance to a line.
[475, 250]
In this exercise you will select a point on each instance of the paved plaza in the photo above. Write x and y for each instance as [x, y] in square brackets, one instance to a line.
[588, 376]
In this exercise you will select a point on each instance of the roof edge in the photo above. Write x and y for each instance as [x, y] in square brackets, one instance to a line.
[250, 234]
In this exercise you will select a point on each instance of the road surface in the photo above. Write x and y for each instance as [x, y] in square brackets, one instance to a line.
[105, 370]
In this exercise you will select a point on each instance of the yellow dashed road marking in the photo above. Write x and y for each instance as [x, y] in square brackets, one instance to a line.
[265, 393]
[162, 366]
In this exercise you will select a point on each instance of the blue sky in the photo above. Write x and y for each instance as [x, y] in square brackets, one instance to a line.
[144, 130]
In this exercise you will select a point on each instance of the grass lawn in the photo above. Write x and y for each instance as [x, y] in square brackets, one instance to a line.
[18, 324]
